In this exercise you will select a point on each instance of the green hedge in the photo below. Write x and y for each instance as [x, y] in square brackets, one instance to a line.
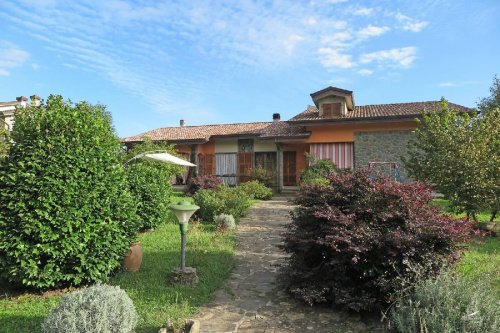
[67, 217]
[149, 183]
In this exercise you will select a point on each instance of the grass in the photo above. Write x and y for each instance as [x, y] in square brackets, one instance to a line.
[156, 302]
[482, 261]
[481, 217]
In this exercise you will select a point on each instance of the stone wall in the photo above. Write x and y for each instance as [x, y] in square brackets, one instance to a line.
[383, 146]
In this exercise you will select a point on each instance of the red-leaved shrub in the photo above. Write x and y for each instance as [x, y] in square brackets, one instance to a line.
[354, 242]
[207, 182]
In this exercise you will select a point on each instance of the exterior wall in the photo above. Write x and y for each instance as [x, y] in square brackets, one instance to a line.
[184, 149]
[264, 146]
[386, 146]
[345, 132]
[206, 148]
[226, 146]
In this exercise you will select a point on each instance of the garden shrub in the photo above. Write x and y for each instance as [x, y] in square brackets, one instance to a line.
[222, 200]
[97, 309]
[67, 216]
[225, 222]
[317, 172]
[207, 182]
[449, 303]
[149, 183]
[256, 190]
[352, 242]
[263, 176]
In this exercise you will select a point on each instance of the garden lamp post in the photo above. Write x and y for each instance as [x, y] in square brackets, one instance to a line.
[183, 210]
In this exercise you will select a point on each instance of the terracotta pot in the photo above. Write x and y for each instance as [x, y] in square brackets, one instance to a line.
[133, 259]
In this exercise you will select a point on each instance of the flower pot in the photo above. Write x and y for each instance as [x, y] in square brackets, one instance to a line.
[133, 259]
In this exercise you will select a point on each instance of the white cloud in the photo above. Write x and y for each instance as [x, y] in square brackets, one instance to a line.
[338, 40]
[365, 72]
[403, 57]
[332, 58]
[411, 24]
[11, 56]
[372, 31]
[337, 1]
[415, 26]
[362, 11]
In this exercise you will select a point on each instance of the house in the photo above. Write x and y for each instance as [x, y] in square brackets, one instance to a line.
[334, 128]
[7, 110]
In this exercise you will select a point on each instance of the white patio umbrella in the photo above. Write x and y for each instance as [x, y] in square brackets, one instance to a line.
[161, 156]
[167, 158]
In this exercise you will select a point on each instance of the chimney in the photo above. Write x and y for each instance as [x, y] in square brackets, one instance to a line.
[182, 123]
[22, 101]
[276, 117]
[35, 100]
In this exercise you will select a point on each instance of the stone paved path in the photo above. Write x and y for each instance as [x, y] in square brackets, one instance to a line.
[251, 299]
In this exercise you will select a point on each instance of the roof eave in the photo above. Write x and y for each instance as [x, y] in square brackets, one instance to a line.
[309, 122]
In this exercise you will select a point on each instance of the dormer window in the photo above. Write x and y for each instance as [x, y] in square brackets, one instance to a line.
[333, 102]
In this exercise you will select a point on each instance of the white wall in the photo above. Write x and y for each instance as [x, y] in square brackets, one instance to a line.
[226, 146]
[263, 146]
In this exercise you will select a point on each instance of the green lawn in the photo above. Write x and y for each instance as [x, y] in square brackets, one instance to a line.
[156, 302]
[482, 217]
[482, 260]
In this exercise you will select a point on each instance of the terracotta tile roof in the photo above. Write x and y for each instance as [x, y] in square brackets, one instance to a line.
[380, 111]
[205, 132]
[281, 129]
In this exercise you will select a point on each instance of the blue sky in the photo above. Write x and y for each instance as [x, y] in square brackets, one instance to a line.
[155, 62]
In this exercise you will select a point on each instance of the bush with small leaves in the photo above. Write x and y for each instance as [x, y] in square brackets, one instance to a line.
[317, 172]
[222, 200]
[67, 216]
[351, 242]
[257, 190]
[207, 182]
[150, 184]
[97, 309]
[225, 222]
[449, 303]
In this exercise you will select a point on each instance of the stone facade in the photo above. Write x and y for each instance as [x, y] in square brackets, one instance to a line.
[382, 146]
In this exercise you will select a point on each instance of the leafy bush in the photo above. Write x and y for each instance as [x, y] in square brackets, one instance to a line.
[225, 222]
[67, 217]
[207, 182]
[257, 190]
[263, 176]
[317, 172]
[222, 200]
[352, 242]
[4, 141]
[97, 309]
[449, 303]
[149, 183]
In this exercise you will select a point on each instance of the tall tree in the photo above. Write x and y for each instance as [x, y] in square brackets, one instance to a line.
[458, 153]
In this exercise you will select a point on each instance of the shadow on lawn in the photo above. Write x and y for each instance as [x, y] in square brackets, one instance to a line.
[18, 324]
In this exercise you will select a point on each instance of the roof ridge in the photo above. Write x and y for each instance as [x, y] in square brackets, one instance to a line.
[185, 126]
[421, 102]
